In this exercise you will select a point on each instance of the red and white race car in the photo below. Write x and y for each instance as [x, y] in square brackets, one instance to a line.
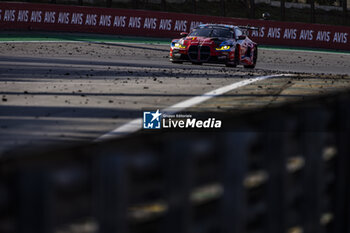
[215, 43]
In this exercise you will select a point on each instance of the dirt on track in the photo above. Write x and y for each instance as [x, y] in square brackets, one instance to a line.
[74, 91]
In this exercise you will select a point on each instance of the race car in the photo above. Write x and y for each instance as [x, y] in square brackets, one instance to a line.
[215, 43]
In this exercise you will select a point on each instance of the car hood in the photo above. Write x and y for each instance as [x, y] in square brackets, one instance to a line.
[197, 40]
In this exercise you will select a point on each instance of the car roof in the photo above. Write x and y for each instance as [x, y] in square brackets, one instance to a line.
[217, 26]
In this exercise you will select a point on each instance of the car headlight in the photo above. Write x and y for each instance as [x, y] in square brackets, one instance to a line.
[224, 47]
[179, 46]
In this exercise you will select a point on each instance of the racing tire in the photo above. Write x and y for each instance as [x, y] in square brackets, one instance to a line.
[255, 58]
[236, 58]
[231, 64]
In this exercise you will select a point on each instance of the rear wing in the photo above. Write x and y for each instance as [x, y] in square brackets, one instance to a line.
[248, 28]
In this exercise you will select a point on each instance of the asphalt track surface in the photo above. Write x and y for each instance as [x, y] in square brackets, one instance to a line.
[71, 92]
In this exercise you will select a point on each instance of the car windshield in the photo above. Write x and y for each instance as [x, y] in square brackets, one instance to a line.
[212, 32]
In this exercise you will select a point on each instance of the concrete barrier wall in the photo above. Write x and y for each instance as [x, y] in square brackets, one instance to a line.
[27, 16]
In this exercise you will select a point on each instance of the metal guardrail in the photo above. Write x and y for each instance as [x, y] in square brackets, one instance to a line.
[281, 170]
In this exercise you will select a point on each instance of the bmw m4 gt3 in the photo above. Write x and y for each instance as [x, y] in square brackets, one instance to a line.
[215, 43]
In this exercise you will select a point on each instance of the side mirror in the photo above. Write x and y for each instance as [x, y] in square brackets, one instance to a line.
[183, 34]
[242, 37]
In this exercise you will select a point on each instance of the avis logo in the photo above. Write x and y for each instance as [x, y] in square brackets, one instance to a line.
[151, 120]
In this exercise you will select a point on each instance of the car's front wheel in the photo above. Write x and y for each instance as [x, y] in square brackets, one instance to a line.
[255, 58]
[235, 61]
[176, 62]
[230, 64]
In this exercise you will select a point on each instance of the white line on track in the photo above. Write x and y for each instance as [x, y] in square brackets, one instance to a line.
[136, 124]
[307, 50]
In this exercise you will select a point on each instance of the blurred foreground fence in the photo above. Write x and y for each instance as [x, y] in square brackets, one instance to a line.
[283, 170]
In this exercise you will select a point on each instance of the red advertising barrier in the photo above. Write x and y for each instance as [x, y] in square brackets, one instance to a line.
[26, 16]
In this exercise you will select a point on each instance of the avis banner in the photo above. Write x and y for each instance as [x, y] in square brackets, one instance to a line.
[47, 17]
